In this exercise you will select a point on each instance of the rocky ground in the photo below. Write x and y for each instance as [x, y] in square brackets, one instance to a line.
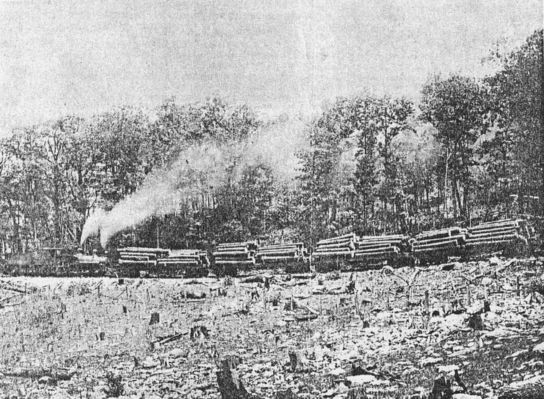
[464, 330]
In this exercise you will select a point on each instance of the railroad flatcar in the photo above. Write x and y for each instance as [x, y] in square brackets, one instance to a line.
[345, 252]
[159, 262]
[289, 257]
[231, 258]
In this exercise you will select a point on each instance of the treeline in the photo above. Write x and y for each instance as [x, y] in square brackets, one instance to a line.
[471, 149]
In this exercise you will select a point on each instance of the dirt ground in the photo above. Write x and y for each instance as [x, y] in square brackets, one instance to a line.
[391, 332]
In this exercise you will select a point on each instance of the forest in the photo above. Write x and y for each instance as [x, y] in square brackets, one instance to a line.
[470, 149]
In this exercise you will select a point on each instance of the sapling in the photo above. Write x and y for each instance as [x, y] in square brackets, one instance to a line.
[409, 283]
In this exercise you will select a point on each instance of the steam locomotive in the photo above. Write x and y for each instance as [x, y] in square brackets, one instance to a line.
[345, 252]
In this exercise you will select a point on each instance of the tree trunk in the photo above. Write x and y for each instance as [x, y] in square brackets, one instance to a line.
[17, 244]
[466, 201]
[446, 183]
[457, 198]
[427, 197]
[541, 193]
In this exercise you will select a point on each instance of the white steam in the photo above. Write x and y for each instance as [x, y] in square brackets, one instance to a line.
[277, 146]
[196, 169]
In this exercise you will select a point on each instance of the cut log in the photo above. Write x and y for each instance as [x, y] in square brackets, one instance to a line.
[170, 338]
[58, 375]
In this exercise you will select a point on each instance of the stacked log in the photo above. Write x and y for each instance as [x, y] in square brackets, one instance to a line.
[290, 255]
[436, 245]
[498, 236]
[184, 263]
[334, 251]
[234, 256]
[281, 253]
[379, 250]
[132, 260]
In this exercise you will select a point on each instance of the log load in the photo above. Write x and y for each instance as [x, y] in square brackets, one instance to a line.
[372, 251]
[292, 256]
[282, 253]
[436, 245]
[334, 252]
[133, 260]
[503, 235]
[229, 258]
[342, 246]
[184, 263]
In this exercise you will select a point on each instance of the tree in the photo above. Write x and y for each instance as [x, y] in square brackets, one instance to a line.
[391, 116]
[125, 159]
[365, 178]
[24, 188]
[178, 126]
[322, 177]
[59, 151]
[518, 116]
[418, 152]
[457, 108]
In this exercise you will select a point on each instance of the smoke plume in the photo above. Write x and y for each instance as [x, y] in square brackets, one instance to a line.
[198, 168]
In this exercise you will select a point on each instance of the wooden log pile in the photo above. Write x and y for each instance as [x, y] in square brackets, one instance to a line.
[190, 257]
[498, 236]
[341, 247]
[281, 253]
[374, 250]
[184, 262]
[235, 255]
[133, 258]
[131, 255]
[437, 244]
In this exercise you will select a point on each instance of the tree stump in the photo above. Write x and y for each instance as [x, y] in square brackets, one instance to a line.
[357, 393]
[230, 385]
[154, 318]
[475, 322]
[441, 389]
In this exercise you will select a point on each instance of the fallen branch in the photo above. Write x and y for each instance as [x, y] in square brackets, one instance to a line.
[12, 287]
[9, 297]
[56, 375]
[256, 279]
[305, 317]
[170, 338]
[10, 304]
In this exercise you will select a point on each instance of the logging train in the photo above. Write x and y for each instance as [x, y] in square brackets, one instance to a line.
[345, 252]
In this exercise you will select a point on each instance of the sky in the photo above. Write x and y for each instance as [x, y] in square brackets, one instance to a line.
[61, 57]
